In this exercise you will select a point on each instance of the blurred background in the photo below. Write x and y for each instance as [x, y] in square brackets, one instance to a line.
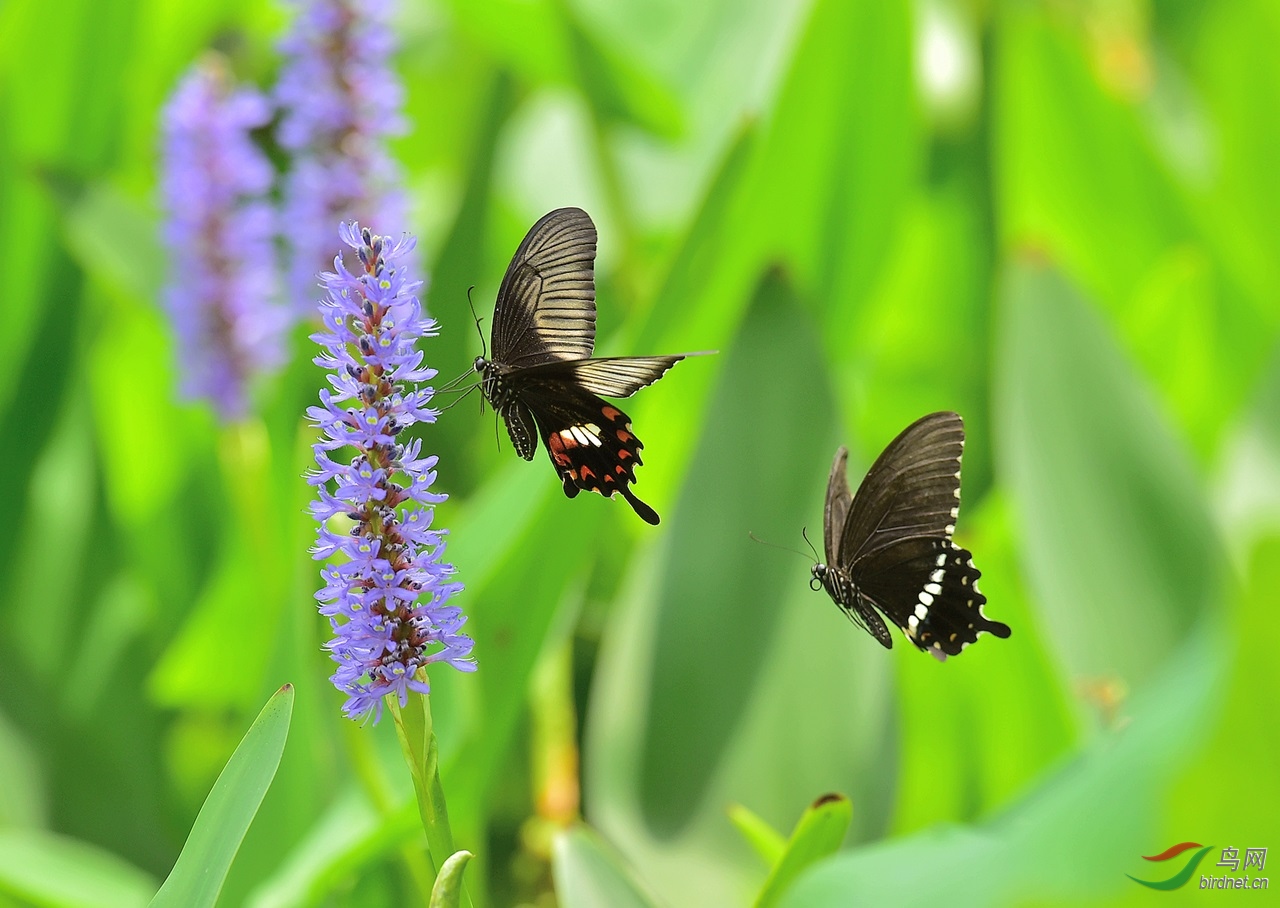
[1060, 219]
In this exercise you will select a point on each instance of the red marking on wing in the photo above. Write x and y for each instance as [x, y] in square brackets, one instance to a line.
[623, 453]
[587, 472]
[556, 445]
[624, 436]
[610, 413]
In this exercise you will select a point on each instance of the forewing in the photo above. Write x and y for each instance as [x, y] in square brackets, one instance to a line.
[837, 506]
[911, 492]
[546, 308]
[589, 441]
[617, 376]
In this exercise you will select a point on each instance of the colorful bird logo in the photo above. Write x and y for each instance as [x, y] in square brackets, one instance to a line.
[1182, 875]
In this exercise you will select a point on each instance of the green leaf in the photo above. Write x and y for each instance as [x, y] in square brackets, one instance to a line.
[734, 586]
[448, 888]
[767, 841]
[114, 239]
[588, 873]
[197, 877]
[1116, 533]
[418, 744]
[818, 834]
[1070, 840]
[53, 871]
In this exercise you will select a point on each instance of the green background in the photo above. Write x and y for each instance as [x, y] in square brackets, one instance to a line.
[1061, 221]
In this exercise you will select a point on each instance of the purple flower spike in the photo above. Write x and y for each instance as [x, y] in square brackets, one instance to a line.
[388, 599]
[219, 228]
[340, 103]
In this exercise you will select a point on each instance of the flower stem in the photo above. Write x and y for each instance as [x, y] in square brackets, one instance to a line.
[418, 741]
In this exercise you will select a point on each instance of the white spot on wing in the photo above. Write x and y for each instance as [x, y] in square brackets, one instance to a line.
[933, 589]
[936, 576]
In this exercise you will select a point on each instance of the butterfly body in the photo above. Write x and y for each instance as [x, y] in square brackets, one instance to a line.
[889, 548]
[542, 378]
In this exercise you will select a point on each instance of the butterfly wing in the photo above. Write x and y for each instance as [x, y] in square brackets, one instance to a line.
[896, 542]
[546, 307]
[590, 441]
[616, 376]
[837, 506]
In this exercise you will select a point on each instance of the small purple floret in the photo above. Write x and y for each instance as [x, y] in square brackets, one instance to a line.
[387, 600]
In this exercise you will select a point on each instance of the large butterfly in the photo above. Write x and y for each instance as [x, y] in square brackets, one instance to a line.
[542, 374]
[889, 547]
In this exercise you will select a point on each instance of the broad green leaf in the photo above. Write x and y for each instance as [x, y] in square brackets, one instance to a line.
[842, 150]
[23, 797]
[818, 834]
[734, 584]
[523, 549]
[1072, 838]
[197, 877]
[979, 729]
[590, 874]
[54, 871]
[114, 239]
[1080, 172]
[1116, 534]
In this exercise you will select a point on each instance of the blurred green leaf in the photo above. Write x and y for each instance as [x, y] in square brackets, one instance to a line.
[842, 150]
[767, 841]
[713, 644]
[1069, 840]
[818, 834]
[590, 874]
[23, 798]
[979, 729]
[1116, 533]
[53, 871]
[620, 89]
[197, 877]
[114, 239]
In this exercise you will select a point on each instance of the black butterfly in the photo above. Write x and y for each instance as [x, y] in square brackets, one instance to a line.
[544, 329]
[889, 547]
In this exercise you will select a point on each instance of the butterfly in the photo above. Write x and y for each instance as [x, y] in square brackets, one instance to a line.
[889, 548]
[541, 372]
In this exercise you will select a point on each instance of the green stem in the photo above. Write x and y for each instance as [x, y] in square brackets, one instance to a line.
[418, 741]
[384, 802]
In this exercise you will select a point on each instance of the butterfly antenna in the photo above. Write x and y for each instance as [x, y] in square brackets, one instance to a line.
[455, 381]
[774, 545]
[804, 531]
[462, 397]
[484, 350]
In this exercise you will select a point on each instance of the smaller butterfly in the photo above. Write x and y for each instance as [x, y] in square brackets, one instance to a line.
[889, 547]
[542, 373]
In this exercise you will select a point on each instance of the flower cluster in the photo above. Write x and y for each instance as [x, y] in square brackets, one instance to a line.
[219, 228]
[340, 102]
[387, 600]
